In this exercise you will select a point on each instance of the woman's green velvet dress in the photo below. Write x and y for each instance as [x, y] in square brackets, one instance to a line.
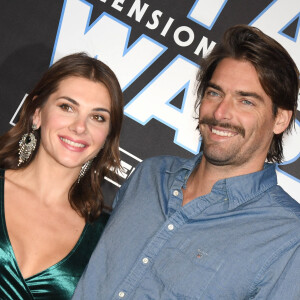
[58, 281]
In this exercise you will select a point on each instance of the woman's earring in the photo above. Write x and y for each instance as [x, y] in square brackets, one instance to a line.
[84, 169]
[27, 145]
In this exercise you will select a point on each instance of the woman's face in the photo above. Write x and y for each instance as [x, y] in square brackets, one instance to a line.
[74, 122]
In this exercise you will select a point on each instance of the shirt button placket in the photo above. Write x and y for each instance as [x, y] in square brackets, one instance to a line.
[170, 227]
[121, 294]
[145, 260]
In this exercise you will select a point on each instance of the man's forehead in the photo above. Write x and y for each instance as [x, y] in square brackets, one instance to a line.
[239, 76]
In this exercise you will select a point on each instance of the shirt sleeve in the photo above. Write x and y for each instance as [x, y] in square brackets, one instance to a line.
[280, 277]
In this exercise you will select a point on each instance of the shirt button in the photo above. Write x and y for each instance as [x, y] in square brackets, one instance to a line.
[170, 226]
[145, 260]
[176, 193]
[121, 294]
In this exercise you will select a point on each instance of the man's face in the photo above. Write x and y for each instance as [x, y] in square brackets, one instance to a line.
[235, 117]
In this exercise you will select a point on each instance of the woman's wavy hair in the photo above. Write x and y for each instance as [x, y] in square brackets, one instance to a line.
[86, 196]
[277, 72]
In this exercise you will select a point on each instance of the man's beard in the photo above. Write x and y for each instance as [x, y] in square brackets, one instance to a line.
[219, 159]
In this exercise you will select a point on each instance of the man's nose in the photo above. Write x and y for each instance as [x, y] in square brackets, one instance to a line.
[224, 109]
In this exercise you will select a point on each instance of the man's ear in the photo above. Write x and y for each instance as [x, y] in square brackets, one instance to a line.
[282, 120]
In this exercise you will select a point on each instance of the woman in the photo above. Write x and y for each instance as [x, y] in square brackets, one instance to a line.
[52, 164]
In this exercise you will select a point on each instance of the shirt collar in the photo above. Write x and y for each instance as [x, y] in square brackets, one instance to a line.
[185, 170]
[239, 189]
[188, 164]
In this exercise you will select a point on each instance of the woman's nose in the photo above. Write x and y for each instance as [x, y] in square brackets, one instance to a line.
[78, 126]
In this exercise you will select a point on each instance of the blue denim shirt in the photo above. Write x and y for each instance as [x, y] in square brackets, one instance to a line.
[241, 241]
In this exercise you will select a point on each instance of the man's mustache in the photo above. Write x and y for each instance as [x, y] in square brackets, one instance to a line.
[214, 122]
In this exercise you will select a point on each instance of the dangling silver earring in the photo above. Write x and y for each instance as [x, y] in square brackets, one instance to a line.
[27, 145]
[84, 169]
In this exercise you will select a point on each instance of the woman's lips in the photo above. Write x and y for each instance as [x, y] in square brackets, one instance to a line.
[74, 145]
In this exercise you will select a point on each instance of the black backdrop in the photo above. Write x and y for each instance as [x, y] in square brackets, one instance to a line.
[153, 47]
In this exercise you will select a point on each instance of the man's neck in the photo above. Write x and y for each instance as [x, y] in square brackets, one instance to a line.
[205, 175]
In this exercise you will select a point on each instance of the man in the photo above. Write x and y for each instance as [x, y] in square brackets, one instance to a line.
[216, 226]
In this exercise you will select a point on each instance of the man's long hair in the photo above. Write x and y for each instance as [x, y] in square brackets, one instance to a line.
[277, 72]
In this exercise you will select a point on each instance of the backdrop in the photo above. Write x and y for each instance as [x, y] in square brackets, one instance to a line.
[153, 46]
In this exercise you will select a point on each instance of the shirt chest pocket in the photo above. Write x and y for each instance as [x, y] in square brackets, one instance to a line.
[187, 268]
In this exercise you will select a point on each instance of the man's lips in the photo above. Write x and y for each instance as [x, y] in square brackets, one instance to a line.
[225, 133]
[72, 143]
[222, 129]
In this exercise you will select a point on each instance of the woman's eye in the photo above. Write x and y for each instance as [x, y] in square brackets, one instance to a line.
[65, 107]
[98, 118]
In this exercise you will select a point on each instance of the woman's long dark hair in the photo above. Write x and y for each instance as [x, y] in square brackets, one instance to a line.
[85, 197]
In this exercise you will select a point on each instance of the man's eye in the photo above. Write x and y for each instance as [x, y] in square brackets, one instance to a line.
[212, 93]
[66, 107]
[247, 102]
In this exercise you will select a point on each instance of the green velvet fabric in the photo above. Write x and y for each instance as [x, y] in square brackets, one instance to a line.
[58, 281]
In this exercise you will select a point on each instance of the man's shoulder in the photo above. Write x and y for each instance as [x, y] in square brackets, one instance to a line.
[285, 201]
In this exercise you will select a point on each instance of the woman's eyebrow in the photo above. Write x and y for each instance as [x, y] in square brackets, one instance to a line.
[77, 104]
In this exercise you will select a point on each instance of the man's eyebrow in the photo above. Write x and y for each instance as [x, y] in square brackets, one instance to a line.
[77, 104]
[214, 86]
[250, 94]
